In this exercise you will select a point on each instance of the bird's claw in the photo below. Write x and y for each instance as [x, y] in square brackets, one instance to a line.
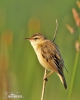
[45, 78]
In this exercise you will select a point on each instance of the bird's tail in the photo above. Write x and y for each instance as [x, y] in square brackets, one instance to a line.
[62, 78]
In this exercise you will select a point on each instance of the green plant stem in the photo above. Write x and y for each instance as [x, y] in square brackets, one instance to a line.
[74, 70]
[73, 75]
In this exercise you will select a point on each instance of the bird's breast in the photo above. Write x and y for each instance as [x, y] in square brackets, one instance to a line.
[42, 60]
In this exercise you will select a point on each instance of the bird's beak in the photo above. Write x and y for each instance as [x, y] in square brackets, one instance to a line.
[27, 38]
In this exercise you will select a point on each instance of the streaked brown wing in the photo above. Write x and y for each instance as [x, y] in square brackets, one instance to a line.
[52, 55]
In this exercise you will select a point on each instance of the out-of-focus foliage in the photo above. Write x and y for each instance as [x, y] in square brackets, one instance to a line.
[20, 71]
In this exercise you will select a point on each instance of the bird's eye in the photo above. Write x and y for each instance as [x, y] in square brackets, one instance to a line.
[35, 38]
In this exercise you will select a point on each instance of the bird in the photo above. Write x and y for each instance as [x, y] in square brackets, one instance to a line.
[48, 55]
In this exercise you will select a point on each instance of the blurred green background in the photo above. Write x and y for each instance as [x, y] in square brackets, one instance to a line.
[20, 71]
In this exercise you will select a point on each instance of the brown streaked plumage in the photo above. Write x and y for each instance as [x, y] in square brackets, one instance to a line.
[48, 55]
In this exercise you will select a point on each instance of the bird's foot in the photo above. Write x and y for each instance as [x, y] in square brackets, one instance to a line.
[45, 78]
